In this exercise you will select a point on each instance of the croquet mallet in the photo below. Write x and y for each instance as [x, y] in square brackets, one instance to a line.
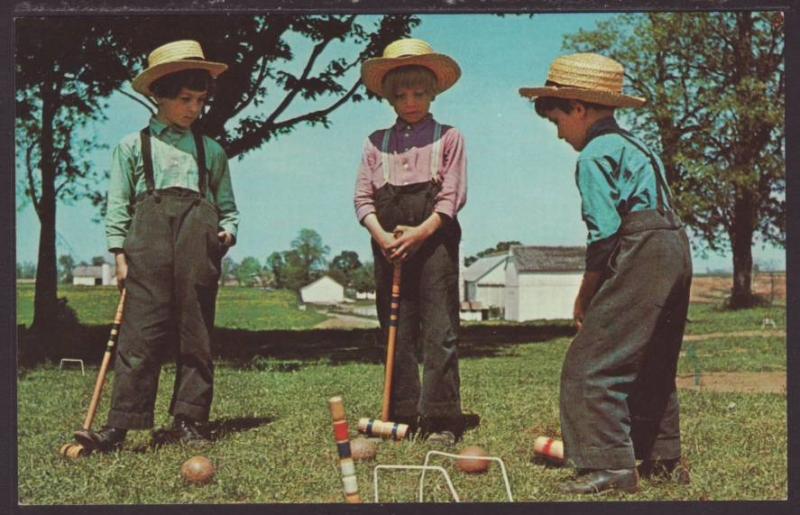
[384, 428]
[76, 450]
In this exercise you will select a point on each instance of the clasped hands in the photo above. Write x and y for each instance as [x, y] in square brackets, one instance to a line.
[399, 245]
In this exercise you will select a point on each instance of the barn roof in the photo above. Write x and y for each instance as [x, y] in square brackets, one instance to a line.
[549, 259]
[89, 271]
[483, 266]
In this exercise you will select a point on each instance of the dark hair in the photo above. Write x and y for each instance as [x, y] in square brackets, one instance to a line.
[169, 86]
[545, 104]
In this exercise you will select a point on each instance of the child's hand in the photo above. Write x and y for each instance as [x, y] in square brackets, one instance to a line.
[225, 238]
[122, 269]
[578, 312]
[408, 241]
[385, 241]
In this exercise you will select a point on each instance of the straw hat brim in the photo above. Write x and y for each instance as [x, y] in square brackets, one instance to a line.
[587, 95]
[143, 81]
[445, 68]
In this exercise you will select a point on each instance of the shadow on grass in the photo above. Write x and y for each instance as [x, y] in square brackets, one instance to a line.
[215, 430]
[242, 348]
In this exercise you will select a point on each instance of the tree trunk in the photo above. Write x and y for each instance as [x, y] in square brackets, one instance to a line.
[45, 304]
[742, 246]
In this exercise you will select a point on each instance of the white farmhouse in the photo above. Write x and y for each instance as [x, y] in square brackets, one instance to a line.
[485, 281]
[104, 275]
[542, 282]
[322, 291]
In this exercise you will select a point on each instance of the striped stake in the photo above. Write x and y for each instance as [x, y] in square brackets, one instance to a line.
[342, 435]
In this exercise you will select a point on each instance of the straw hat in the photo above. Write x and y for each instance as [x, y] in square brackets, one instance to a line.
[407, 52]
[588, 77]
[174, 57]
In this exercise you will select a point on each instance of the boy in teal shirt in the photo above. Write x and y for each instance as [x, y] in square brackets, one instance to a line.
[171, 217]
[618, 398]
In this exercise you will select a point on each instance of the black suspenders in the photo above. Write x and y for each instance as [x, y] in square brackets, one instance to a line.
[147, 158]
[662, 190]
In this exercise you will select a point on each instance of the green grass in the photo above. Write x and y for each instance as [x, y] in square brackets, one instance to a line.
[237, 308]
[274, 441]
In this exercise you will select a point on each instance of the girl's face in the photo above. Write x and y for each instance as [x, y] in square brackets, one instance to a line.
[183, 110]
[411, 104]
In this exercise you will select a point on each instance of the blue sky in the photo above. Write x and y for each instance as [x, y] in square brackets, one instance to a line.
[521, 184]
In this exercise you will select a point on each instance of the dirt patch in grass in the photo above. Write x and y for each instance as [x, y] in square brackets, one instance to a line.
[735, 382]
[737, 334]
[713, 289]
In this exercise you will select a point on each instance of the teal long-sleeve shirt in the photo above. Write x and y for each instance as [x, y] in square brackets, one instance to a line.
[174, 165]
[614, 177]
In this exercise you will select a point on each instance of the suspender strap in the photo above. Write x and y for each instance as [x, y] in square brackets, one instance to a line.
[662, 189]
[436, 153]
[202, 172]
[147, 159]
[385, 155]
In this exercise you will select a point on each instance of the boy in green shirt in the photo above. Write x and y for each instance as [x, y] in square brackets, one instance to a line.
[618, 397]
[171, 217]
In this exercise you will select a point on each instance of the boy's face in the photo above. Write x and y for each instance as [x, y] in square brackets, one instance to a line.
[572, 126]
[182, 110]
[411, 104]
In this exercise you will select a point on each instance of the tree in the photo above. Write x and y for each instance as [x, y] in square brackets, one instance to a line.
[715, 112]
[364, 278]
[343, 267]
[63, 73]
[26, 270]
[502, 246]
[98, 261]
[229, 267]
[248, 273]
[66, 263]
[276, 264]
[309, 255]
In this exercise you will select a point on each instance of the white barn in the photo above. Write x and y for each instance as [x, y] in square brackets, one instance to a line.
[104, 275]
[322, 291]
[542, 282]
[485, 281]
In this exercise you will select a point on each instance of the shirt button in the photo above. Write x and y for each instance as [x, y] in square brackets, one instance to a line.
[405, 165]
[406, 134]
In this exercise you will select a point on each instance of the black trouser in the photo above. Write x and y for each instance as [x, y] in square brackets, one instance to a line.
[173, 256]
[618, 398]
[428, 318]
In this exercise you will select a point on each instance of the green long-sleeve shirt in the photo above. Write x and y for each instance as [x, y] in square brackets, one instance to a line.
[174, 165]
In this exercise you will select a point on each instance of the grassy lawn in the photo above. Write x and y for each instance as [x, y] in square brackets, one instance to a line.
[237, 308]
[273, 439]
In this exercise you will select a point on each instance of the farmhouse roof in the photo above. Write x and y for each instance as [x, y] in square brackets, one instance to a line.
[324, 278]
[549, 259]
[483, 266]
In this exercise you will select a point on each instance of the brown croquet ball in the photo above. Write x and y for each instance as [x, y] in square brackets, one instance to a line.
[362, 449]
[197, 470]
[466, 461]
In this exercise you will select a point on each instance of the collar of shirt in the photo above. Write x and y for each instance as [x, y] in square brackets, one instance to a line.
[601, 125]
[414, 128]
[159, 128]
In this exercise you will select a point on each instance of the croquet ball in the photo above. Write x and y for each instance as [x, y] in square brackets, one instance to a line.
[362, 449]
[468, 463]
[197, 470]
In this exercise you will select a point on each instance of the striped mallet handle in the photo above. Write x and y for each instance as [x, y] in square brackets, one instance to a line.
[101, 375]
[342, 436]
[549, 448]
[384, 429]
[393, 320]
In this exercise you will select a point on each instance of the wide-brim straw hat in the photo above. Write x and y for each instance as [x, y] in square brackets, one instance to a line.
[175, 57]
[589, 77]
[408, 52]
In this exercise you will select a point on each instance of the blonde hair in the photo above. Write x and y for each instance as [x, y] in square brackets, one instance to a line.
[413, 76]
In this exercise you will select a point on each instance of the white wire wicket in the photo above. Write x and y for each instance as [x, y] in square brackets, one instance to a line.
[456, 456]
[422, 477]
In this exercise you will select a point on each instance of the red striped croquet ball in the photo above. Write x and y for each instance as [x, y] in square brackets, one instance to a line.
[468, 463]
[197, 470]
[363, 449]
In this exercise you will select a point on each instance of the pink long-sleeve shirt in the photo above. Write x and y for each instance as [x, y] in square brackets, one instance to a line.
[411, 147]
